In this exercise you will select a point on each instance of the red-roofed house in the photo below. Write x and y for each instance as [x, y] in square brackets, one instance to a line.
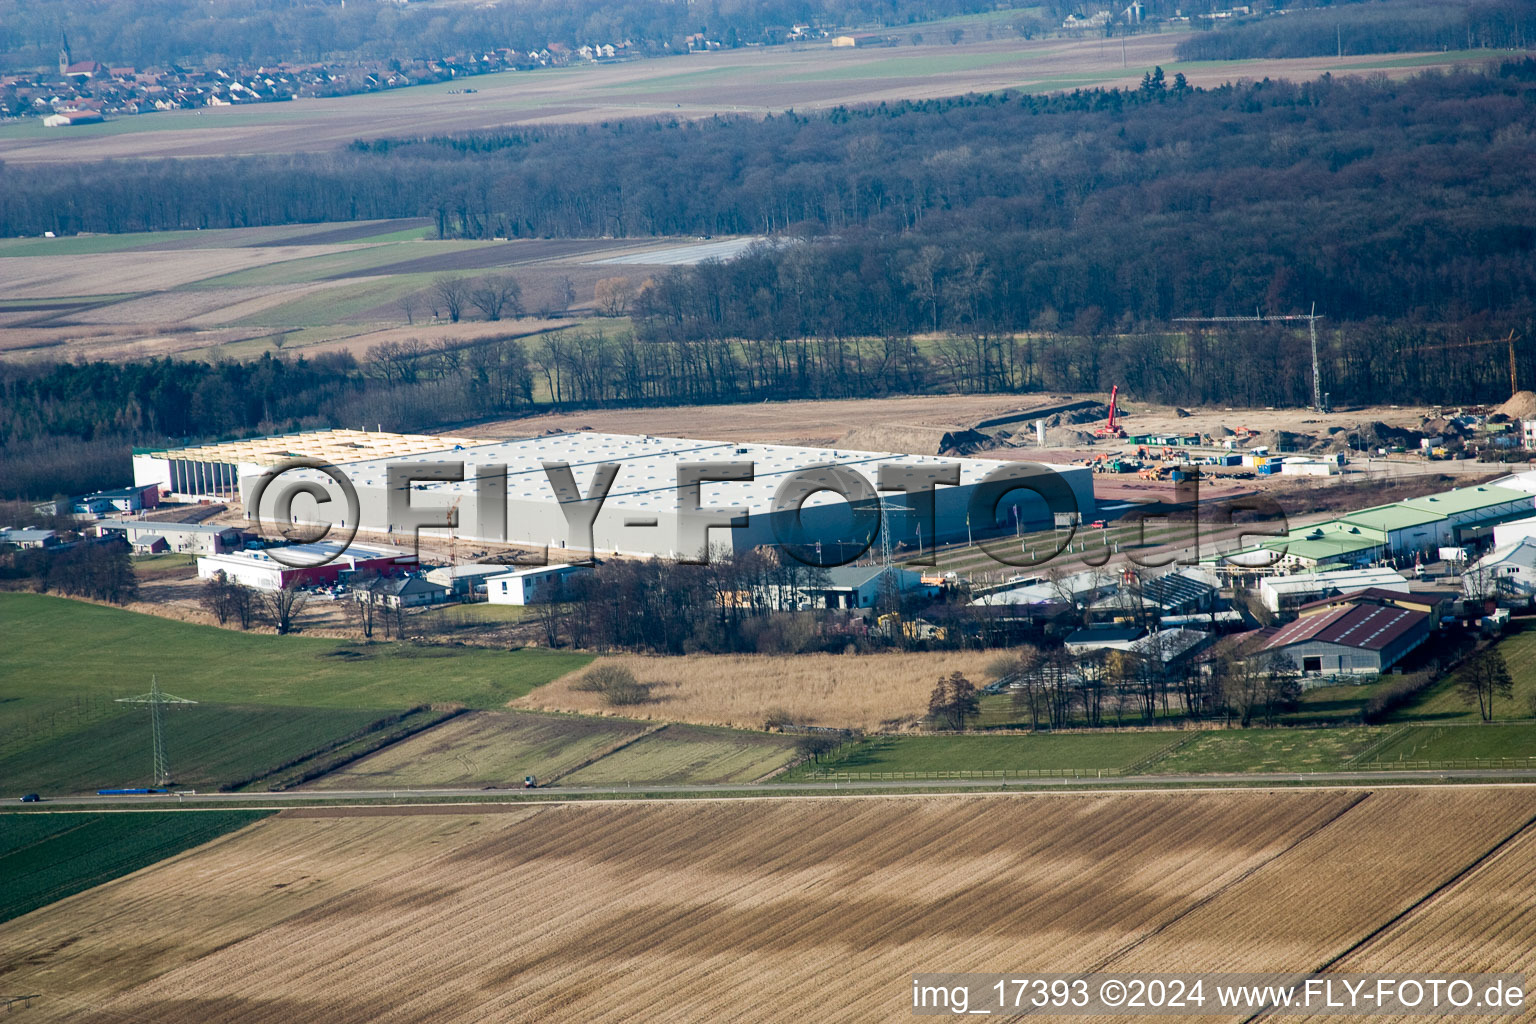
[1356, 639]
[85, 69]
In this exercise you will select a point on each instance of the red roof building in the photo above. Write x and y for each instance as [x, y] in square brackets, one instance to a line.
[1358, 639]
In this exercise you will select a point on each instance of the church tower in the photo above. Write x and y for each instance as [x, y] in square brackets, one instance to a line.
[64, 58]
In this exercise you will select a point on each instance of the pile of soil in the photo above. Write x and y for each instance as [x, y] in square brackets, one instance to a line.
[1521, 406]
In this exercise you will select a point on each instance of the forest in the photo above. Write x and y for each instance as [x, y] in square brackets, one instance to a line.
[1404, 201]
[1003, 243]
[1351, 29]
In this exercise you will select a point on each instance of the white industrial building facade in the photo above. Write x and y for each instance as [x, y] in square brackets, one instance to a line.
[510, 494]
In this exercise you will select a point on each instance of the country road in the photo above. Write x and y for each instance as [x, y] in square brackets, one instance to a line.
[1525, 776]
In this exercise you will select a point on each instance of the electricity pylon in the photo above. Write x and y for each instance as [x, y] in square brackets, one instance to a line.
[157, 699]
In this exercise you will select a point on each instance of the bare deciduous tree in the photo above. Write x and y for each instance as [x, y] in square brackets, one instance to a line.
[453, 292]
[496, 295]
[283, 605]
[612, 295]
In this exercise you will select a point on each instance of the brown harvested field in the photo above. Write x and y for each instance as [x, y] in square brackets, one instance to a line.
[822, 422]
[866, 691]
[750, 81]
[1491, 904]
[487, 748]
[764, 910]
[110, 273]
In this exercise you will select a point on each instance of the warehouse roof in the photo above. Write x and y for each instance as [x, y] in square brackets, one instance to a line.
[1393, 517]
[648, 467]
[1365, 627]
[1319, 549]
[333, 446]
[1466, 499]
[1346, 579]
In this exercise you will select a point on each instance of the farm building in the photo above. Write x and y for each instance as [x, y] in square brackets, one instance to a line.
[534, 585]
[1357, 639]
[1286, 593]
[1435, 603]
[192, 538]
[510, 494]
[319, 563]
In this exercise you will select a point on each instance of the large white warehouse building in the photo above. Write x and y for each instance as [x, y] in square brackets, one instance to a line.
[517, 492]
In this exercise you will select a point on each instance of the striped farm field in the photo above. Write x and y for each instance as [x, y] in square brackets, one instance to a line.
[867, 691]
[776, 909]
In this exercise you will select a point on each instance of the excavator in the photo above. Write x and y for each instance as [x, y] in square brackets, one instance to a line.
[1113, 427]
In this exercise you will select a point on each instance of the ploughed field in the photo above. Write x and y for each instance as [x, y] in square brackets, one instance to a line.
[767, 910]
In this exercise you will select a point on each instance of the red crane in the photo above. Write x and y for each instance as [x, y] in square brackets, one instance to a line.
[1112, 428]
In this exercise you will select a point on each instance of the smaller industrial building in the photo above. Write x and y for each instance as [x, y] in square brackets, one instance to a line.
[258, 569]
[849, 586]
[1351, 640]
[466, 581]
[1185, 591]
[402, 592]
[104, 503]
[1465, 515]
[1503, 573]
[22, 537]
[537, 584]
[1288, 593]
[192, 538]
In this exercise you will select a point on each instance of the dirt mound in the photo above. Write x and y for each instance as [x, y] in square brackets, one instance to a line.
[1522, 406]
[1285, 441]
[1377, 435]
[897, 437]
[1069, 437]
[968, 442]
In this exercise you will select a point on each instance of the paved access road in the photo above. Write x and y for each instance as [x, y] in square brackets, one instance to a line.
[1137, 782]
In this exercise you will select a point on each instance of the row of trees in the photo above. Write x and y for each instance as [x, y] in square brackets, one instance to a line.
[1057, 689]
[1360, 28]
[101, 571]
[68, 427]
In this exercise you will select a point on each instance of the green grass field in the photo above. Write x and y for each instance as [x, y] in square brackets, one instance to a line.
[56, 649]
[1268, 750]
[484, 748]
[1441, 702]
[46, 857]
[263, 700]
[689, 753]
[1455, 743]
[208, 745]
[1067, 752]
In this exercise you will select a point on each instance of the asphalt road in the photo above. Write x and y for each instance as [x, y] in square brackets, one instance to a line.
[1138, 782]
